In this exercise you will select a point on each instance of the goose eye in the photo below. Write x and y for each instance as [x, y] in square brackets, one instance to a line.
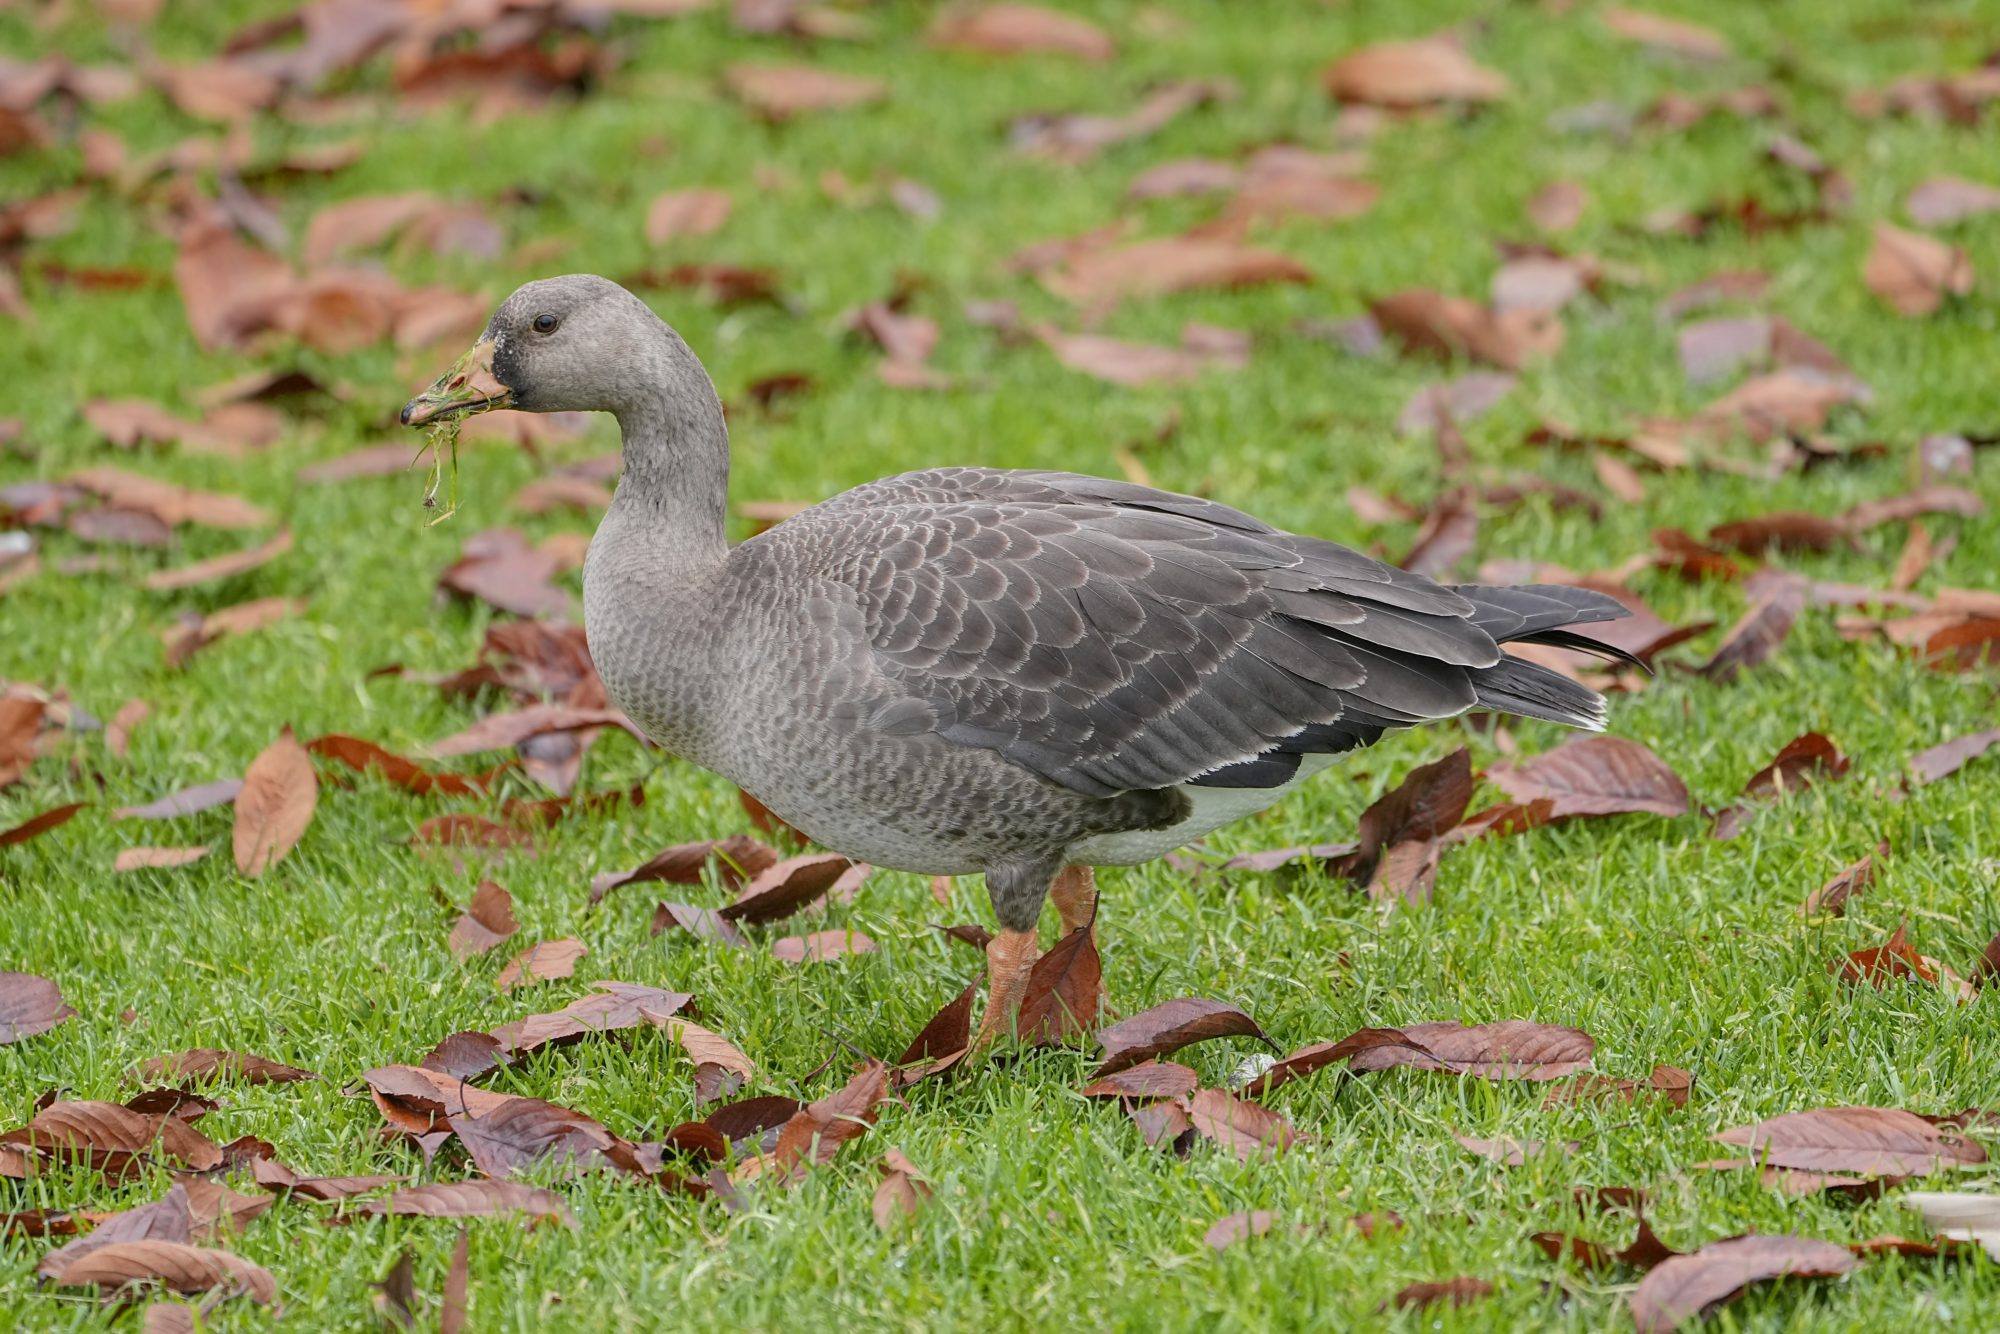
[546, 324]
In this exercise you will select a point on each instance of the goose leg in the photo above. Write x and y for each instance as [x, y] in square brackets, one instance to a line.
[1010, 958]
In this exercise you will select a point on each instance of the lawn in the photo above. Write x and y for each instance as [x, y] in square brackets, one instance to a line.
[1668, 945]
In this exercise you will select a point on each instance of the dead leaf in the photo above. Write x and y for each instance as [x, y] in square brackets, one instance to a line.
[1452, 1291]
[274, 806]
[1559, 206]
[739, 858]
[780, 890]
[1079, 138]
[118, 732]
[1942, 761]
[1185, 177]
[29, 1005]
[500, 731]
[820, 946]
[363, 756]
[681, 213]
[1832, 896]
[1674, 36]
[470, 1199]
[1248, 1130]
[1681, 1289]
[1594, 776]
[1169, 1026]
[1170, 264]
[1226, 1232]
[1457, 402]
[1427, 323]
[548, 961]
[20, 727]
[1670, 1082]
[1134, 364]
[1311, 1059]
[1781, 530]
[1062, 993]
[1017, 29]
[1510, 1049]
[1647, 1251]
[1151, 1079]
[1757, 635]
[37, 825]
[1912, 505]
[616, 1006]
[188, 801]
[1943, 200]
[112, 1139]
[1512, 1152]
[816, 1131]
[1405, 75]
[942, 1042]
[486, 922]
[780, 92]
[1869, 1141]
[1449, 533]
[275, 1177]
[128, 1266]
[156, 859]
[208, 1063]
[1804, 760]
[1914, 273]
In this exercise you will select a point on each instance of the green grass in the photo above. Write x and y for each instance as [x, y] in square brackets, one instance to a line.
[1050, 1213]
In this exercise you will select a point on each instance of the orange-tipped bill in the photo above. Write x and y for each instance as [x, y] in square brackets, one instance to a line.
[466, 388]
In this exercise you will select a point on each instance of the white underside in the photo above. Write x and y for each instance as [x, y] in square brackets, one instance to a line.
[1213, 807]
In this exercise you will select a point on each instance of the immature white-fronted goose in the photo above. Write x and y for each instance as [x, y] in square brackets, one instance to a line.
[1022, 674]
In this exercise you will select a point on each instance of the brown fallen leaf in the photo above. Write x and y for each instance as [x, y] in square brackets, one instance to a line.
[29, 1005]
[1171, 264]
[188, 801]
[1461, 1291]
[1430, 324]
[615, 1006]
[1675, 36]
[1134, 364]
[172, 505]
[1316, 1057]
[20, 726]
[1510, 1049]
[487, 921]
[1804, 761]
[1933, 499]
[457, 1280]
[1449, 533]
[1169, 1026]
[1513, 1152]
[1893, 961]
[37, 825]
[279, 1179]
[1760, 631]
[1870, 1141]
[943, 1041]
[1063, 992]
[276, 803]
[1943, 200]
[1595, 776]
[780, 92]
[1670, 1082]
[112, 1139]
[365, 756]
[548, 961]
[783, 889]
[1017, 29]
[1405, 75]
[902, 1193]
[1832, 896]
[702, 1046]
[191, 635]
[739, 858]
[208, 1063]
[220, 567]
[499, 731]
[1558, 206]
[1914, 273]
[1681, 1289]
[679, 213]
[1079, 138]
[816, 1131]
[1151, 1079]
[118, 732]
[132, 1266]
[1249, 1130]
[820, 946]
[1226, 1232]
[470, 1199]
[701, 923]
[1647, 1251]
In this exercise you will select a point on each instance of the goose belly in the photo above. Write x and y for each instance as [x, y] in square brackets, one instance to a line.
[1210, 808]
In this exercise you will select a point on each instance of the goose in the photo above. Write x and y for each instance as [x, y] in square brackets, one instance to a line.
[1020, 674]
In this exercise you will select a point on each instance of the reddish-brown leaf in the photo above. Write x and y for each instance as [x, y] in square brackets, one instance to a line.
[782, 889]
[1406, 75]
[1832, 896]
[486, 922]
[1453, 1291]
[466, 1055]
[1510, 1049]
[1246, 1129]
[1647, 1251]
[37, 825]
[779, 92]
[130, 1266]
[1597, 775]
[168, 1219]
[547, 961]
[945, 1037]
[702, 1046]
[172, 505]
[1164, 1124]
[701, 923]
[1120, 362]
[902, 1192]
[1559, 206]
[118, 732]
[521, 1132]
[112, 1139]
[1869, 1141]
[1226, 1232]
[279, 1179]
[29, 1005]
[816, 1131]
[1682, 1288]
[20, 725]
[751, 1117]
[820, 945]
[1062, 994]
[1675, 36]
[1312, 1059]
[1169, 1026]
[274, 806]
[471, 1199]
[740, 857]
[1670, 1082]
[455, 1298]
[207, 1063]
[614, 1006]
[363, 756]
[1943, 200]
[220, 567]
[679, 213]
[1914, 273]
[1755, 637]
[1153, 1079]
[1016, 29]
[1167, 265]
[1424, 806]
[1934, 499]
[1450, 531]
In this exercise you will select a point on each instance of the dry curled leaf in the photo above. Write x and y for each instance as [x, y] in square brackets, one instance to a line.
[471, 1199]
[487, 921]
[274, 806]
[680, 213]
[129, 1266]
[1914, 273]
[548, 961]
[820, 946]
[1594, 776]
[1682, 1288]
[1849, 881]
[1869, 1141]
[782, 889]
[1461, 1291]
[1249, 1130]
[1169, 1026]
[738, 858]
[1016, 29]
[29, 1005]
[1510, 1049]
[1405, 75]
[207, 1063]
[1151, 1079]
